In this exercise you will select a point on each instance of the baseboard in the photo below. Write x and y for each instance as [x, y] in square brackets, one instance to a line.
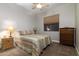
[77, 51]
[55, 41]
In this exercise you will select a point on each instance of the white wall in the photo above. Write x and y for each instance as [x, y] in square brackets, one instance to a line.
[15, 15]
[77, 28]
[66, 19]
[21, 20]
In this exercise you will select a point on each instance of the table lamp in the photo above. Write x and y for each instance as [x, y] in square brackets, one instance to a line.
[11, 30]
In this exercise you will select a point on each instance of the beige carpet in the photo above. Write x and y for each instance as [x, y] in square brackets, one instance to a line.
[14, 52]
[54, 49]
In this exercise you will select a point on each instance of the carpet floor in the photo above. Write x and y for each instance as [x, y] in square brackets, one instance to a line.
[54, 49]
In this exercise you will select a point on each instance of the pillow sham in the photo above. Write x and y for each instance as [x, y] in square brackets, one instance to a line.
[21, 32]
[25, 32]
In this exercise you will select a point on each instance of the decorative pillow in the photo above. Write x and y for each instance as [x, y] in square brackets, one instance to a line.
[30, 32]
[26, 32]
[21, 32]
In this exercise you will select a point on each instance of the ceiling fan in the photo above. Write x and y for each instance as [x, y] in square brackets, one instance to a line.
[39, 5]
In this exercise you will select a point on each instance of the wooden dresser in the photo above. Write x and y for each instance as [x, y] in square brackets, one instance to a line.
[7, 43]
[67, 36]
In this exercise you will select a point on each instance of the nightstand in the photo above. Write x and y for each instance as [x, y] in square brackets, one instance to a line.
[7, 43]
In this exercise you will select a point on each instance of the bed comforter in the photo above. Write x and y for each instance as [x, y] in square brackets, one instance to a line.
[33, 44]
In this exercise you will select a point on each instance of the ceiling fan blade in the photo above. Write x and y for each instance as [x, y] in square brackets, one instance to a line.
[44, 5]
[34, 5]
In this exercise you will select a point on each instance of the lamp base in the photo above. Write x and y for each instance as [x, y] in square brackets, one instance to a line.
[10, 34]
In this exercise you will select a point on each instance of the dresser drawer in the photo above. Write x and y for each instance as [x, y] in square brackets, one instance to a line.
[66, 31]
[7, 43]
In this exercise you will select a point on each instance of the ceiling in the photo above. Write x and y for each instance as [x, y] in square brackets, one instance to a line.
[28, 6]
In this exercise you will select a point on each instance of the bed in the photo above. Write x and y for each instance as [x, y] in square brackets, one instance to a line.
[33, 44]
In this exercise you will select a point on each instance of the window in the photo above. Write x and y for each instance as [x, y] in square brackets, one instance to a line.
[51, 23]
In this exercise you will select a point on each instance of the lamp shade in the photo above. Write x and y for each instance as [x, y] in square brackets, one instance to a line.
[10, 28]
